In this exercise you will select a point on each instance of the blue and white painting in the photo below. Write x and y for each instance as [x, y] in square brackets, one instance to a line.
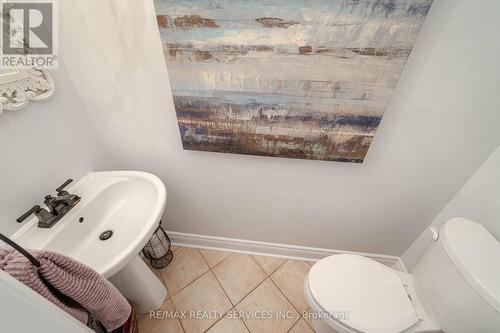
[304, 79]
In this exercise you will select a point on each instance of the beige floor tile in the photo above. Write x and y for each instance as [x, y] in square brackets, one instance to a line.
[239, 275]
[162, 322]
[311, 262]
[186, 266]
[206, 298]
[174, 248]
[301, 327]
[213, 257]
[266, 299]
[229, 324]
[269, 264]
[290, 280]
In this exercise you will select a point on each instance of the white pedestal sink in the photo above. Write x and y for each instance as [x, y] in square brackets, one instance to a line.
[130, 204]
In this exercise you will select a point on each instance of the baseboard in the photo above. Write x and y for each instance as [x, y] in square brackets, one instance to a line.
[271, 249]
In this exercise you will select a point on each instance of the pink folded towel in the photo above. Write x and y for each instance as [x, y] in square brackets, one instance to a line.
[69, 284]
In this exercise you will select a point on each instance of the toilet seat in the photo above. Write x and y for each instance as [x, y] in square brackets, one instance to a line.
[361, 295]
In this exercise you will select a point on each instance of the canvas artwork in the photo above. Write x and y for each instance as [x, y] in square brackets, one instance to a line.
[304, 79]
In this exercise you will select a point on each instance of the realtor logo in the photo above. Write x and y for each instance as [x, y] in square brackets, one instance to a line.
[28, 33]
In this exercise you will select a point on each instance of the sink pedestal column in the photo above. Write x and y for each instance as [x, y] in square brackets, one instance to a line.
[140, 286]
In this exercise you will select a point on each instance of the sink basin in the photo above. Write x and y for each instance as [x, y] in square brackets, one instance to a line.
[129, 203]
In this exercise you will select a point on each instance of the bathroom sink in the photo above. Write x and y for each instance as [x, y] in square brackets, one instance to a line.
[118, 213]
[127, 203]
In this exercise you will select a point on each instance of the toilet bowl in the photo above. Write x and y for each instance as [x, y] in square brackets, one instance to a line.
[454, 288]
[350, 294]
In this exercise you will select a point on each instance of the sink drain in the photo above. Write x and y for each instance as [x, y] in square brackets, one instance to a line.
[106, 235]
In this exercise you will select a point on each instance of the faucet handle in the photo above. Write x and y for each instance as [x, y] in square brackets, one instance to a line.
[33, 210]
[66, 183]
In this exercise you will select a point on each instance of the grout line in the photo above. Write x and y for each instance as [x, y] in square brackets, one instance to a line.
[291, 328]
[309, 311]
[224, 314]
[169, 297]
[241, 300]
[234, 305]
[274, 270]
[190, 283]
[257, 286]
[279, 289]
[268, 277]
[260, 266]
[220, 262]
[280, 265]
[213, 324]
[293, 306]
[175, 310]
[262, 269]
[283, 293]
[223, 290]
[225, 293]
[251, 291]
[244, 324]
[220, 285]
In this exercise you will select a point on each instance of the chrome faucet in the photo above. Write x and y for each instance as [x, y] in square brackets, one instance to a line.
[57, 207]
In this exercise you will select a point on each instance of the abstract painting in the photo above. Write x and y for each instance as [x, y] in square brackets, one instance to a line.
[304, 79]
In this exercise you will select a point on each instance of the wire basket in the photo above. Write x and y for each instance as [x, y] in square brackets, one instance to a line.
[157, 250]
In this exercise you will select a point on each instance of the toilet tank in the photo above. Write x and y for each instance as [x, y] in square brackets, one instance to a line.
[458, 278]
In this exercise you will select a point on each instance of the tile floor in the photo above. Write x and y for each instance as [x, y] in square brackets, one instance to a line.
[223, 292]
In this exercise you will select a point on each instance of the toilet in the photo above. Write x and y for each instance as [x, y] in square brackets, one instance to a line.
[454, 288]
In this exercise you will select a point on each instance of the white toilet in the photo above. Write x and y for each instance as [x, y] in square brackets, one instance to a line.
[454, 288]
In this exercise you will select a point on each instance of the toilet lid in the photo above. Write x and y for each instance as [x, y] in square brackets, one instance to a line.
[370, 294]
